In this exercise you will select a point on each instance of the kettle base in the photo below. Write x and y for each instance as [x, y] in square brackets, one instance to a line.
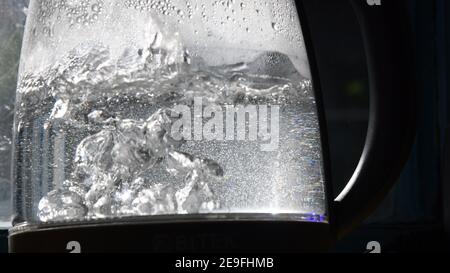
[186, 237]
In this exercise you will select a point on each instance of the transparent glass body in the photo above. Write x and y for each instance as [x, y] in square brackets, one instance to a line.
[12, 20]
[149, 108]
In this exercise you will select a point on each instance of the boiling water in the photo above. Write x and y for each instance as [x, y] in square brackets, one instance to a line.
[94, 138]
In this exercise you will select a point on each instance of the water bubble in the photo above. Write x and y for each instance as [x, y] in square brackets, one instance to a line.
[275, 26]
[95, 8]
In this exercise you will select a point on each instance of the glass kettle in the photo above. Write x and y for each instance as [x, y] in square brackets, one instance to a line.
[143, 124]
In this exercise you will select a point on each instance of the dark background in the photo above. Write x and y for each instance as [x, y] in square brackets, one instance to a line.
[412, 218]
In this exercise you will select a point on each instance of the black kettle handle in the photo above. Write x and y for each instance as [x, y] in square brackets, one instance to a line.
[393, 102]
